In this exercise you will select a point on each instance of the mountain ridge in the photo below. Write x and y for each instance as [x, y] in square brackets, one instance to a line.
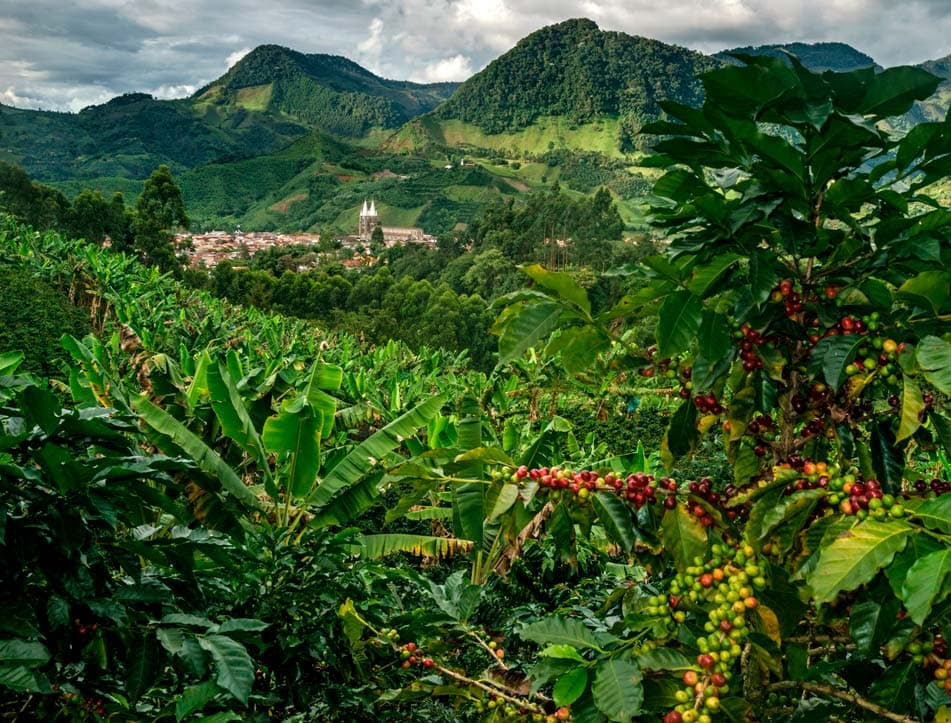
[286, 139]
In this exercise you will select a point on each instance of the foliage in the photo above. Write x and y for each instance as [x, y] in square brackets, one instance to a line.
[159, 211]
[575, 69]
[215, 495]
[33, 317]
[801, 312]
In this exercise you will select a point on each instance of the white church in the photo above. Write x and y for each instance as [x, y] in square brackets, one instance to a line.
[392, 235]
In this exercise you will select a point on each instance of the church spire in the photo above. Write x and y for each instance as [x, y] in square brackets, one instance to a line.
[372, 207]
[364, 211]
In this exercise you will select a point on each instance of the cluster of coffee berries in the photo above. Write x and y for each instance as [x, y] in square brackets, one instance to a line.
[411, 654]
[932, 654]
[726, 585]
[658, 367]
[934, 488]
[763, 430]
[85, 628]
[89, 705]
[750, 339]
[785, 293]
[506, 710]
[877, 355]
[717, 500]
[708, 404]
[638, 488]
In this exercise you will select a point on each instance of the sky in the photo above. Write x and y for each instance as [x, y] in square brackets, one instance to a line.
[67, 54]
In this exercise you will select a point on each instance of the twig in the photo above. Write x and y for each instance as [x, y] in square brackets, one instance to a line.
[495, 657]
[534, 707]
[853, 698]
[23, 709]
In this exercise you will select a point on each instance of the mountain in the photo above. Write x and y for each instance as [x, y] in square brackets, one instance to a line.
[573, 71]
[267, 100]
[325, 92]
[940, 67]
[287, 140]
[815, 56]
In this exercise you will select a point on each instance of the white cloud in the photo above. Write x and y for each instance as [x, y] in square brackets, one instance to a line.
[166, 92]
[456, 68]
[236, 56]
[56, 54]
[370, 50]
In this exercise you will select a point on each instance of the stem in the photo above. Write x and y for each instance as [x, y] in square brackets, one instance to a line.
[485, 646]
[491, 689]
[853, 698]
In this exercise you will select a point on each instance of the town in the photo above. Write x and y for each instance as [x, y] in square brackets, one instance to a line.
[212, 247]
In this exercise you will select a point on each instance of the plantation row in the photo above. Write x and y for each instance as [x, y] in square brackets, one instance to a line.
[195, 514]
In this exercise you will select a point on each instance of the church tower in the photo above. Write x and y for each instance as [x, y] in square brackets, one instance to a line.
[368, 220]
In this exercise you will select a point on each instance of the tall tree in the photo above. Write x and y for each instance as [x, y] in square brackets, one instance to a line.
[89, 217]
[159, 211]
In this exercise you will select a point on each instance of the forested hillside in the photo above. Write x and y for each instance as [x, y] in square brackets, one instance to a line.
[815, 56]
[327, 92]
[576, 70]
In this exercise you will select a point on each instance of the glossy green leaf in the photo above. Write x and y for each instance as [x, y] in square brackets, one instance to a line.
[570, 686]
[562, 652]
[194, 698]
[713, 339]
[787, 508]
[704, 277]
[929, 289]
[934, 358]
[664, 659]
[524, 326]
[564, 285]
[887, 458]
[926, 584]
[617, 689]
[293, 435]
[895, 688]
[912, 405]
[143, 662]
[678, 323]
[935, 514]
[870, 622]
[9, 361]
[615, 517]
[893, 91]
[468, 510]
[855, 557]
[683, 536]
[831, 356]
[232, 413]
[500, 503]
[23, 652]
[200, 453]
[557, 630]
[362, 458]
[21, 678]
[941, 426]
[233, 665]
[682, 433]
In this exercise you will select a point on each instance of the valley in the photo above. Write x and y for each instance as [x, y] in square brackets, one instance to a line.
[288, 142]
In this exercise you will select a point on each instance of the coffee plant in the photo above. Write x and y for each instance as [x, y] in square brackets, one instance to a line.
[802, 307]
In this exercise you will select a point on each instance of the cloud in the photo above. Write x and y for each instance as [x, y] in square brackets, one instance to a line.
[456, 68]
[63, 55]
[370, 50]
[236, 56]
